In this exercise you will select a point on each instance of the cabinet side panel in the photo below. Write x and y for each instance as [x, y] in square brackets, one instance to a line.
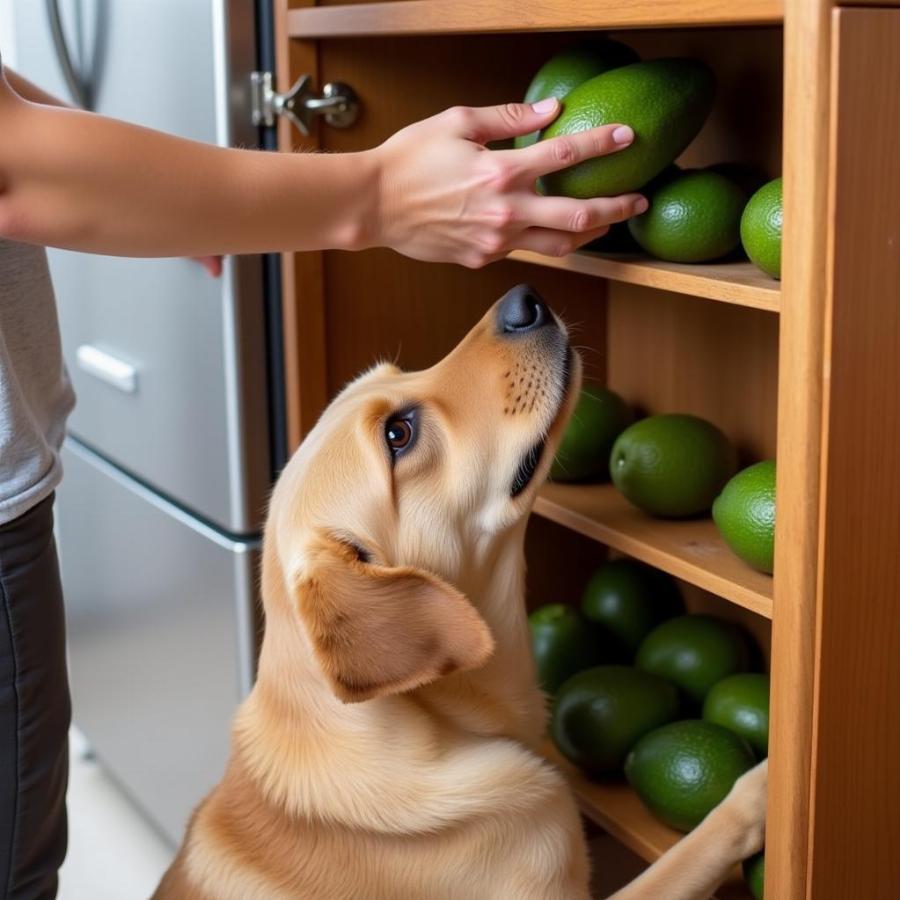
[856, 780]
[807, 43]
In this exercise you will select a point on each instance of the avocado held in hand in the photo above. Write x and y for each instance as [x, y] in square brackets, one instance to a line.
[665, 101]
[566, 70]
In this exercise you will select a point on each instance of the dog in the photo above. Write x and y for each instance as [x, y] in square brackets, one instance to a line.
[390, 747]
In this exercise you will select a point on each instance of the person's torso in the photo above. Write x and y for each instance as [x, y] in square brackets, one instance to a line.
[35, 393]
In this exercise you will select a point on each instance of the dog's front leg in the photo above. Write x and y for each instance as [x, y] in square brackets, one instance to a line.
[701, 860]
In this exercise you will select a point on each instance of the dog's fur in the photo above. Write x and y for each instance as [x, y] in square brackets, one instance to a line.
[389, 750]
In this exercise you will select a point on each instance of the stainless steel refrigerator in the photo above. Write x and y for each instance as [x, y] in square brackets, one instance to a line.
[179, 426]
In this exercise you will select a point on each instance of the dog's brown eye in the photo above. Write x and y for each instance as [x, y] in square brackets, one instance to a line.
[399, 434]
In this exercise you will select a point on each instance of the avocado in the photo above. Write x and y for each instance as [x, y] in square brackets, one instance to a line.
[665, 101]
[568, 69]
[600, 713]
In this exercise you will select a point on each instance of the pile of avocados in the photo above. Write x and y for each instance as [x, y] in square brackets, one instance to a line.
[695, 216]
[674, 702]
[671, 466]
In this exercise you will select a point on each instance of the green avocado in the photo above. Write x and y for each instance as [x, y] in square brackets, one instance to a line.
[566, 70]
[600, 713]
[628, 599]
[665, 101]
[600, 416]
[563, 642]
[683, 770]
[755, 874]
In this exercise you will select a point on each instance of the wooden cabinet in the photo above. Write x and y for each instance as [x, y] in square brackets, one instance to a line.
[807, 369]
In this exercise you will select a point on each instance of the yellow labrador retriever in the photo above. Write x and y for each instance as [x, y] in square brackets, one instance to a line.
[389, 750]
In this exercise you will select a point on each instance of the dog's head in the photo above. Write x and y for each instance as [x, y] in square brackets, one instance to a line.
[404, 483]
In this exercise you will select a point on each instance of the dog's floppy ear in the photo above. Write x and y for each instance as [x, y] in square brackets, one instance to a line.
[377, 630]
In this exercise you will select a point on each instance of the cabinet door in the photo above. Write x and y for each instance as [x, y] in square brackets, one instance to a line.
[855, 781]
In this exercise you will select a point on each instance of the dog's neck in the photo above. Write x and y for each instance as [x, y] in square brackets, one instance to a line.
[504, 690]
[303, 721]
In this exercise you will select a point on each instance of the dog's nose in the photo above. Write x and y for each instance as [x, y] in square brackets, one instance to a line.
[522, 309]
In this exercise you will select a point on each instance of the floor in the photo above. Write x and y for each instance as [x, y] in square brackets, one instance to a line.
[113, 853]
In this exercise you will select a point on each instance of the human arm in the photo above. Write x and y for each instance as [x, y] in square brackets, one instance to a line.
[29, 91]
[73, 179]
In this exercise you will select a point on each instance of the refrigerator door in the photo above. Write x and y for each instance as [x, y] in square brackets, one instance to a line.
[190, 417]
[160, 628]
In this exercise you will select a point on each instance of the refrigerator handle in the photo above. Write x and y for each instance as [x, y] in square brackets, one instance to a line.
[79, 87]
[114, 371]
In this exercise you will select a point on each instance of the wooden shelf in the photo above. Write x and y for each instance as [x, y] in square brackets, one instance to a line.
[739, 283]
[413, 17]
[615, 807]
[688, 549]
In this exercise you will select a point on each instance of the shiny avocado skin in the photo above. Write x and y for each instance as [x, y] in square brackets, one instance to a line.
[565, 71]
[665, 101]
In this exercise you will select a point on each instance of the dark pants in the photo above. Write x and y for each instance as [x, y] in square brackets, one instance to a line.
[34, 708]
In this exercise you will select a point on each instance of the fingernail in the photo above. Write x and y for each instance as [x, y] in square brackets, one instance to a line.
[623, 135]
[548, 104]
[641, 206]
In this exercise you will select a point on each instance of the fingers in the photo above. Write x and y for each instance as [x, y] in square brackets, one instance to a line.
[563, 214]
[493, 123]
[212, 264]
[549, 242]
[568, 150]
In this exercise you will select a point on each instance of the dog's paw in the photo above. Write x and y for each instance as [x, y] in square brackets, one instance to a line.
[746, 807]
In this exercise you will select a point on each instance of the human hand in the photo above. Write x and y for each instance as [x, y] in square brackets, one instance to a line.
[212, 264]
[444, 196]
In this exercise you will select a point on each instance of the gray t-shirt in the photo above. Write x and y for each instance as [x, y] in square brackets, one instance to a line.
[35, 393]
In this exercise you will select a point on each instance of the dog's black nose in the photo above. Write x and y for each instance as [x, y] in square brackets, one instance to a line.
[522, 309]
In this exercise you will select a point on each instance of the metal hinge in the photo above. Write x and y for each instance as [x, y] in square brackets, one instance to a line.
[337, 104]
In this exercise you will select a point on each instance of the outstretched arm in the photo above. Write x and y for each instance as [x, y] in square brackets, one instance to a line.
[28, 91]
[76, 180]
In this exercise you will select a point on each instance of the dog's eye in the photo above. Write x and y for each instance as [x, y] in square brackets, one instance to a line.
[399, 434]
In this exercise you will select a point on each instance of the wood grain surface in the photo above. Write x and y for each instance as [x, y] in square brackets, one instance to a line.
[856, 780]
[470, 16]
[740, 283]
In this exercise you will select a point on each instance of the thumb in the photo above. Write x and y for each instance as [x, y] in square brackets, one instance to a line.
[494, 123]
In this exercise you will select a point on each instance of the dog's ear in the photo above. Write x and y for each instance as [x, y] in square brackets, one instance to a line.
[377, 630]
